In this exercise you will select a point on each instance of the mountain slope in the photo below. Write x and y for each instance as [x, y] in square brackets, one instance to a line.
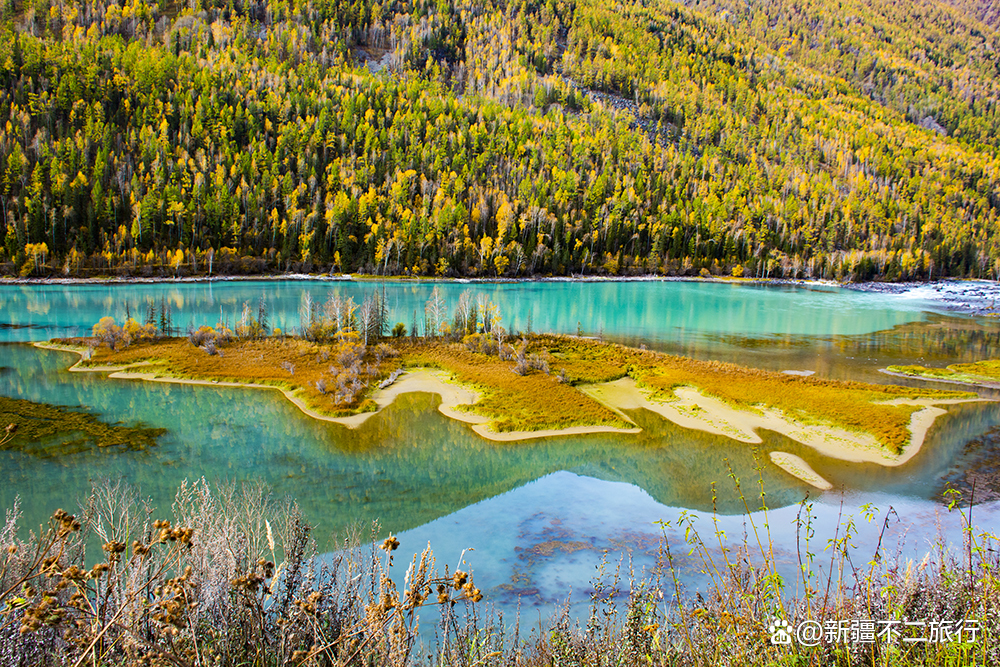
[486, 138]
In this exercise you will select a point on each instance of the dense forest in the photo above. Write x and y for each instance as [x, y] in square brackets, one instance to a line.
[851, 140]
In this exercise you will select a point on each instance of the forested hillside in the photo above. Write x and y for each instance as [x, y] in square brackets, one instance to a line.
[987, 11]
[855, 139]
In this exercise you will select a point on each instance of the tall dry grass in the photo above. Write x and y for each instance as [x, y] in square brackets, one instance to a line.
[231, 577]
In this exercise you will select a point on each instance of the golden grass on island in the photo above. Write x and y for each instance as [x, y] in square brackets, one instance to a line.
[851, 405]
[308, 370]
[979, 372]
[587, 361]
[532, 402]
[512, 402]
[338, 378]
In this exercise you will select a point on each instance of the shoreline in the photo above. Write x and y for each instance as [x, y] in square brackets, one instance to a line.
[367, 278]
[927, 378]
[868, 286]
[417, 380]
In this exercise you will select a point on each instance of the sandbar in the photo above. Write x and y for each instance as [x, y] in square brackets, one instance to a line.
[933, 378]
[511, 436]
[454, 395]
[690, 409]
[693, 409]
[416, 380]
[425, 380]
[797, 467]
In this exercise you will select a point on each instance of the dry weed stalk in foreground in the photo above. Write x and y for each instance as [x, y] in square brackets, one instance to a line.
[232, 578]
[204, 589]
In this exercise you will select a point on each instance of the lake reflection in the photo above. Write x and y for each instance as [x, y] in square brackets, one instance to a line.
[655, 311]
[549, 542]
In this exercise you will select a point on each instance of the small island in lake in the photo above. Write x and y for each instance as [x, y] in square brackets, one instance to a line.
[979, 373]
[525, 386]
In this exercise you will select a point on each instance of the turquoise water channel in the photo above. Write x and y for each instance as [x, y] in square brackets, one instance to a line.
[651, 311]
[541, 514]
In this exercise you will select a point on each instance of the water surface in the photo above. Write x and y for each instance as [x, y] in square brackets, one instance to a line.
[654, 311]
[417, 471]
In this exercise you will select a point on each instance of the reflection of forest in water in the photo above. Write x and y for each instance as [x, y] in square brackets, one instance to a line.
[975, 472]
[652, 310]
[409, 464]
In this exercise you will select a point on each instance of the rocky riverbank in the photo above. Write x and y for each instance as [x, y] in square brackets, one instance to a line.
[975, 297]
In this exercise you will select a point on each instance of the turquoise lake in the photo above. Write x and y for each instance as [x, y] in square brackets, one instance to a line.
[540, 514]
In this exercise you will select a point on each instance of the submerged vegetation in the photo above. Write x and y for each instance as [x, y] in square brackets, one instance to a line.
[53, 431]
[979, 372]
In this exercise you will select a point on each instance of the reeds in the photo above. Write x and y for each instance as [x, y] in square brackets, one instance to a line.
[232, 578]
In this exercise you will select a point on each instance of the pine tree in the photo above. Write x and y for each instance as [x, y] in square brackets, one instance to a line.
[164, 318]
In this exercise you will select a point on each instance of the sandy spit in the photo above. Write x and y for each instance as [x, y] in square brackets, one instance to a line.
[692, 409]
[797, 467]
[985, 383]
[416, 380]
